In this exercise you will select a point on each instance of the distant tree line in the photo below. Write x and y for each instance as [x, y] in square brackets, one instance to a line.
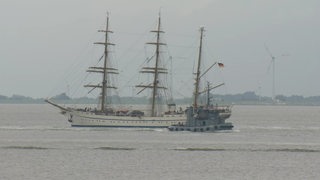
[247, 98]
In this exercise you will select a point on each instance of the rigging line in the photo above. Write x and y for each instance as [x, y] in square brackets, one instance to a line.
[75, 84]
[129, 80]
[87, 74]
[184, 85]
[77, 89]
[208, 52]
[207, 70]
[91, 90]
[146, 60]
[169, 55]
[221, 74]
[132, 46]
[131, 33]
[182, 46]
[101, 57]
[168, 52]
[74, 65]
[116, 60]
[187, 56]
[179, 34]
[149, 59]
[180, 93]
[135, 57]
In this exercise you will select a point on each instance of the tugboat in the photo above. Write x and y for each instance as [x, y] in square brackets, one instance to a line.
[203, 119]
[209, 117]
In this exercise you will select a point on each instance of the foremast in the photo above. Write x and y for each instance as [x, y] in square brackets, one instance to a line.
[105, 70]
[156, 70]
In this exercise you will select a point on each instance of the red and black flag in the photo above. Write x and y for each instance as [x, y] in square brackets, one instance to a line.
[221, 65]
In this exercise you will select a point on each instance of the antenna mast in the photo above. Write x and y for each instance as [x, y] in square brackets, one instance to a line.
[196, 91]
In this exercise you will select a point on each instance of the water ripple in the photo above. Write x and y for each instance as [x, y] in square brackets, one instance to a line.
[26, 147]
[251, 150]
[116, 148]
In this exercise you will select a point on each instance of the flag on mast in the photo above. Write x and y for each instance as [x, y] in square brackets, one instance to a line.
[221, 65]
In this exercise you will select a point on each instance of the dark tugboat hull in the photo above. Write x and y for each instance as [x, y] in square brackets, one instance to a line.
[211, 128]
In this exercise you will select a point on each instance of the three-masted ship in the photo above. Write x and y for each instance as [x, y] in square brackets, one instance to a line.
[106, 116]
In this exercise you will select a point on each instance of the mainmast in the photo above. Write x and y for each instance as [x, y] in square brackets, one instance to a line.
[155, 80]
[105, 70]
[156, 70]
[197, 83]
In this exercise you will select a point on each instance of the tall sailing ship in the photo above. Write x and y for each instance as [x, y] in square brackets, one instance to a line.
[106, 116]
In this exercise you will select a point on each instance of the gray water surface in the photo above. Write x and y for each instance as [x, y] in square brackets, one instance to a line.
[268, 142]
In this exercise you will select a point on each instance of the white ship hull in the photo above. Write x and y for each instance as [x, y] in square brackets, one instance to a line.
[88, 119]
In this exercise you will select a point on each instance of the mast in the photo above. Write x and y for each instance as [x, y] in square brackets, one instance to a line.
[104, 77]
[105, 70]
[156, 70]
[208, 94]
[155, 80]
[197, 83]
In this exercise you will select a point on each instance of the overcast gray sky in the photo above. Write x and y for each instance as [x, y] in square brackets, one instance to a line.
[42, 41]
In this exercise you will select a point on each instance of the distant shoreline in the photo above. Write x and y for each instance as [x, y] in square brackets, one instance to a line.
[247, 98]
